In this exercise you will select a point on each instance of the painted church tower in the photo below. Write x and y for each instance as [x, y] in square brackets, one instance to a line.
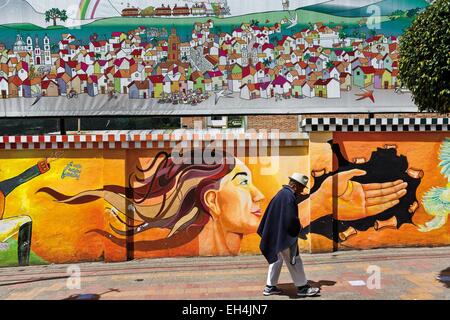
[174, 46]
[42, 57]
[47, 52]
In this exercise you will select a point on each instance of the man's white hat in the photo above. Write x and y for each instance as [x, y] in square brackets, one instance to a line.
[300, 178]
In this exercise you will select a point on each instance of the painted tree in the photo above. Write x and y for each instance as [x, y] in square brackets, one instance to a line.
[412, 12]
[254, 23]
[362, 22]
[424, 58]
[154, 42]
[55, 14]
[396, 15]
[148, 12]
[342, 35]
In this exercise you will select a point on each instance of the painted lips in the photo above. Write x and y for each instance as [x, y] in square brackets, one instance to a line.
[257, 213]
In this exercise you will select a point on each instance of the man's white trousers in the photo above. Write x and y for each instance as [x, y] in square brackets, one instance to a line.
[297, 272]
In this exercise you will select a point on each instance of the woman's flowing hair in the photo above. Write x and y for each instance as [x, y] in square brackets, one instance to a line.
[163, 195]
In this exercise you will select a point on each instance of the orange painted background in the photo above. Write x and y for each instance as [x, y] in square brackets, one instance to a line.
[422, 152]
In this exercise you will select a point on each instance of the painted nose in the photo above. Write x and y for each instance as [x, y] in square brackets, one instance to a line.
[256, 194]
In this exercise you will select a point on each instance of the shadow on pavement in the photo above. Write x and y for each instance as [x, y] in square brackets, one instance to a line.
[90, 296]
[290, 290]
[444, 277]
[33, 280]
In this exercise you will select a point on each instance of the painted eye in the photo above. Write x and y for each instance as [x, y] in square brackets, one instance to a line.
[244, 183]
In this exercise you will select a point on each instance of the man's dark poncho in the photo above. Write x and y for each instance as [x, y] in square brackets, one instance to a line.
[280, 226]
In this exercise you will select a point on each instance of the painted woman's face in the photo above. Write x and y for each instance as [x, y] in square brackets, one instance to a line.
[239, 201]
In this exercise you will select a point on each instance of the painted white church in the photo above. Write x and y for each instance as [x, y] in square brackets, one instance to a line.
[40, 56]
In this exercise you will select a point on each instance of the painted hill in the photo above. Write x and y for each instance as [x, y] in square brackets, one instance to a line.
[305, 17]
[338, 8]
[20, 11]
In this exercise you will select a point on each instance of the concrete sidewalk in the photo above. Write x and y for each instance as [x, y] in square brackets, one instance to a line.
[422, 273]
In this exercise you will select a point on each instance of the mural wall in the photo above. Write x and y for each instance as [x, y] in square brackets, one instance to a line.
[367, 190]
[105, 53]
[388, 189]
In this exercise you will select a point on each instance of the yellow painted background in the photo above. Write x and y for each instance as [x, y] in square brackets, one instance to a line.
[61, 231]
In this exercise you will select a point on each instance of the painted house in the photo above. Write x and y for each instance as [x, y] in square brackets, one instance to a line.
[156, 86]
[383, 79]
[346, 81]
[102, 81]
[235, 78]
[22, 70]
[100, 66]
[14, 87]
[327, 88]
[4, 70]
[4, 88]
[216, 79]
[92, 86]
[388, 62]
[265, 89]
[395, 80]
[50, 88]
[250, 91]
[139, 89]
[292, 75]
[363, 76]
[281, 85]
[208, 84]
[18, 88]
[198, 81]
[332, 72]
[183, 83]
[122, 78]
[297, 88]
[79, 84]
[63, 80]
[249, 75]
[70, 68]
[26, 88]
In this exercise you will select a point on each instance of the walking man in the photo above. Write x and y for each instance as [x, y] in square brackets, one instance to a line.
[279, 231]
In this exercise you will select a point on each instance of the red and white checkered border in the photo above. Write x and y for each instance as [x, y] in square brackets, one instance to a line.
[149, 141]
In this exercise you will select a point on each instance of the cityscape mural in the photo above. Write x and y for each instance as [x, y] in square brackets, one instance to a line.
[196, 52]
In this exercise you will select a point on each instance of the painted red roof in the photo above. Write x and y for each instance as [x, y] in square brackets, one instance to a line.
[156, 79]
[46, 83]
[368, 70]
[322, 82]
[15, 80]
[280, 81]
[267, 46]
